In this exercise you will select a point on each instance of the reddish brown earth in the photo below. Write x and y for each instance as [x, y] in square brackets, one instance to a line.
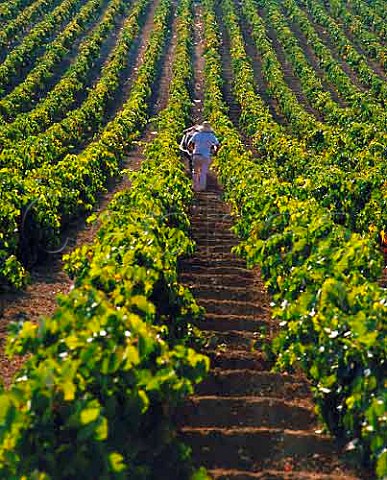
[245, 421]
[256, 63]
[47, 277]
[73, 53]
[24, 30]
[103, 58]
[366, 26]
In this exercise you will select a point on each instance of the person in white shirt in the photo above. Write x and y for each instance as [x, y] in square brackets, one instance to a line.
[203, 144]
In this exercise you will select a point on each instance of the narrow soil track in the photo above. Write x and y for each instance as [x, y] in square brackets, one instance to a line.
[74, 52]
[135, 58]
[102, 60]
[244, 421]
[158, 101]
[234, 110]
[93, 75]
[29, 63]
[129, 73]
[366, 25]
[25, 29]
[373, 63]
[198, 63]
[37, 300]
[48, 278]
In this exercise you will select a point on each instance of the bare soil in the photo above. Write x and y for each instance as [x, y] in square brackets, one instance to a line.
[104, 55]
[129, 73]
[234, 111]
[375, 31]
[27, 65]
[198, 60]
[245, 421]
[261, 82]
[72, 54]
[24, 30]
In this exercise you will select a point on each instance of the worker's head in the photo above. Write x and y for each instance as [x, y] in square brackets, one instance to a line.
[206, 127]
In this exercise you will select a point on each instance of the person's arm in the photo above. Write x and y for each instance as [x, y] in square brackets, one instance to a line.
[191, 143]
[182, 145]
[215, 145]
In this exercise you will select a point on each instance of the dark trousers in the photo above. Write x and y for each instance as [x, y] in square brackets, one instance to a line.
[188, 157]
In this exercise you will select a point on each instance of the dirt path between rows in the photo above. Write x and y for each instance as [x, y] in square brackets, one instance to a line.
[99, 62]
[23, 29]
[33, 57]
[48, 278]
[244, 421]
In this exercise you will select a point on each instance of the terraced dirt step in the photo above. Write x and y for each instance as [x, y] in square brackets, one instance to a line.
[239, 360]
[220, 280]
[224, 323]
[222, 474]
[250, 382]
[212, 235]
[215, 266]
[233, 307]
[246, 412]
[223, 292]
[230, 339]
[215, 248]
[255, 448]
[244, 420]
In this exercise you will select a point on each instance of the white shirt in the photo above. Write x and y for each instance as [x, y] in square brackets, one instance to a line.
[203, 141]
